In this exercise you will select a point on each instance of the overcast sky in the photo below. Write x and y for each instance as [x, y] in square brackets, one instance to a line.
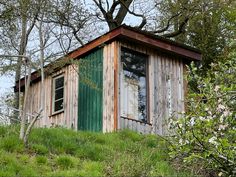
[6, 84]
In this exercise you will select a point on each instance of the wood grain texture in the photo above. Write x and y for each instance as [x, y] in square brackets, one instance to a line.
[116, 76]
[108, 87]
[67, 118]
[166, 91]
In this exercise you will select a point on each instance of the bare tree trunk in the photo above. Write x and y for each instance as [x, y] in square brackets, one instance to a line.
[43, 99]
[25, 32]
[22, 49]
[25, 104]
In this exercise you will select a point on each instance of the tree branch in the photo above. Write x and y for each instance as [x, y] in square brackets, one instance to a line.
[167, 25]
[28, 130]
[144, 20]
[180, 30]
[113, 7]
[122, 11]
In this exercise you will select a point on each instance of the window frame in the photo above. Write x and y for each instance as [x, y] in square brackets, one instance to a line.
[122, 48]
[54, 93]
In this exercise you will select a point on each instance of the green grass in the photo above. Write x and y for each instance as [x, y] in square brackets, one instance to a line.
[63, 152]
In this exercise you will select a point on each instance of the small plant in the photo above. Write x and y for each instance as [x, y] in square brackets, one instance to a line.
[70, 147]
[64, 162]
[41, 160]
[39, 149]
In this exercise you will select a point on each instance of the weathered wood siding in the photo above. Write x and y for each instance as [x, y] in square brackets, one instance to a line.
[67, 118]
[108, 86]
[165, 91]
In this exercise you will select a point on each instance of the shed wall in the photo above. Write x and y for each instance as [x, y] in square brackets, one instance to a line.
[90, 92]
[67, 118]
[109, 54]
[165, 92]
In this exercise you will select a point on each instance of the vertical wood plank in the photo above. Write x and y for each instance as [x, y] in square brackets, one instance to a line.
[116, 73]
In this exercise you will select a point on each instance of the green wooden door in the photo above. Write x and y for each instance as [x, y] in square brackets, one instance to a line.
[90, 92]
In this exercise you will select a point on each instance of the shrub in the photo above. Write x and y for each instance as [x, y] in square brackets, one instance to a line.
[207, 131]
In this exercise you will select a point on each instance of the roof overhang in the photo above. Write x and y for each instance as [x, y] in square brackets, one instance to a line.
[129, 34]
[141, 37]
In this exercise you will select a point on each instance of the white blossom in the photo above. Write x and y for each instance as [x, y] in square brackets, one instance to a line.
[192, 121]
[220, 100]
[222, 127]
[210, 117]
[209, 112]
[181, 141]
[180, 125]
[220, 107]
[226, 113]
[221, 118]
[202, 118]
[212, 140]
[217, 87]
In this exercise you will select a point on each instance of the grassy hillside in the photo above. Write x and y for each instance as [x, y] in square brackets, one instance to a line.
[62, 152]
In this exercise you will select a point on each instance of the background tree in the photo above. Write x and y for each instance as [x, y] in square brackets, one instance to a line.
[18, 22]
[115, 12]
[210, 28]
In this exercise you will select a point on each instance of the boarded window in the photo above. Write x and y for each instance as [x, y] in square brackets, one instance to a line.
[133, 85]
[58, 93]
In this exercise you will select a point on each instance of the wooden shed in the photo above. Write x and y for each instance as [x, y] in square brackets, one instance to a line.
[124, 79]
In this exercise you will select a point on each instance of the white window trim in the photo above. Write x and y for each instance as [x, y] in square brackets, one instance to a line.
[53, 94]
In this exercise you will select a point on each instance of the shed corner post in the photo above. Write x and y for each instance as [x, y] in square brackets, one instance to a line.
[116, 84]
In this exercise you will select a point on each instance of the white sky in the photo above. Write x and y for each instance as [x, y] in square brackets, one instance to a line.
[6, 84]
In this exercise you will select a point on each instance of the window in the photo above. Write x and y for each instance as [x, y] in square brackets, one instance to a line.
[58, 93]
[133, 85]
